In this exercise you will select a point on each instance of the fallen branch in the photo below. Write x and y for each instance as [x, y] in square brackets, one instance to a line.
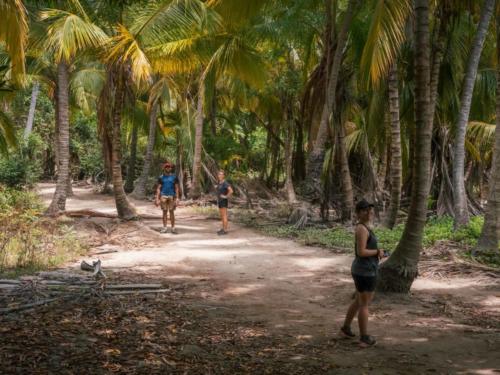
[27, 306]
[139, 291]
[94, 213]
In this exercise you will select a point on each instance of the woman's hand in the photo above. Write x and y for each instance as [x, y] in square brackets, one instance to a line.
[380, 253]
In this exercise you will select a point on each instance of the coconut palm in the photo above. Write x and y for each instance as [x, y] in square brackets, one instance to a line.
[68, 33]
[458, 180]
[399, 271]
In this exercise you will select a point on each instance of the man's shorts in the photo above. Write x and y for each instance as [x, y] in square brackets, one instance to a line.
[365, 283]
[167, 203]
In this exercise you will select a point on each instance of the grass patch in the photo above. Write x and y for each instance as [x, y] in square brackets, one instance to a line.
[436, 229]
[30, 242]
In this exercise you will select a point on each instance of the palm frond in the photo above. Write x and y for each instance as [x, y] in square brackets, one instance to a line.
[7, 133]
[14, 33]
[386, 35]
[68, 33]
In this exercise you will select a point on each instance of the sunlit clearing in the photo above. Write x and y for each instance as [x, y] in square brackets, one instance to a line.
[239, 290]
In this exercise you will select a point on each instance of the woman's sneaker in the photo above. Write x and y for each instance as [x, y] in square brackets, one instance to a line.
[347, 332]
[221, 232]
[366, 341]
[164, 230]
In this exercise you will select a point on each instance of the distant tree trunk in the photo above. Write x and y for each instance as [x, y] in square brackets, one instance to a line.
[317, 155]
[299, 167]
[292, 198]
[345, 174]
[213, 113]
[459, 193]
[140, 186]
[392, 214]
[400, 270]
[31, 114]
[180, 164]
[59, 199]
[490, 234]
[129, 183]
[198, 141]
[125, 210]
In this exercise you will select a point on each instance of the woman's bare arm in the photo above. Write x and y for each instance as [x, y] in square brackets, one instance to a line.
[361, 239]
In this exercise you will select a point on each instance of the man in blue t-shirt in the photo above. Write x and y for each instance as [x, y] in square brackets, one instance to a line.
[167, 193]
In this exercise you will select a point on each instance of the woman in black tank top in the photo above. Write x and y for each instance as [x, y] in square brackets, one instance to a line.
[364, 273]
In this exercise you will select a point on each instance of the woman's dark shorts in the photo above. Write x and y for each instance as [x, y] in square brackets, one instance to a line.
[365, 283]
[222, 203]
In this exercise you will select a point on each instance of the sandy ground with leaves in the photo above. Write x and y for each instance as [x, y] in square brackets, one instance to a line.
[247, 303]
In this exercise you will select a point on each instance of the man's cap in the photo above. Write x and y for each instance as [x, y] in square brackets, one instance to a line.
[167, 165]
[363, 204]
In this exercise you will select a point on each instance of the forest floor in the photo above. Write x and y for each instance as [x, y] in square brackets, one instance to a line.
[244, 303]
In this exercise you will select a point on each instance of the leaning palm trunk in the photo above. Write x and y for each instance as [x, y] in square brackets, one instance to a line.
[62, 135]
[317, 155]
[125, 210]
[398, 273]
[129, 183]
[460, 196]
[140, 186]
[490, 234]
[290, 191]
[346, 181]
[392, 214]
[31, 114]
[198, 139]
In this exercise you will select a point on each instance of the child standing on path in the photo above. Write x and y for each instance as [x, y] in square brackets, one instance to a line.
[364, 271]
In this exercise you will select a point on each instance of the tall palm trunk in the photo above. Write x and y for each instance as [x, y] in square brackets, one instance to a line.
[490, 234]
[390, 219]
[398, 273]
[59, 199]
[198, 139]
[345, 175]
[290, 191]
[125, 210]
[31, 114]
[317, 155]
[129, 183]
[140, 186]
[460, 196]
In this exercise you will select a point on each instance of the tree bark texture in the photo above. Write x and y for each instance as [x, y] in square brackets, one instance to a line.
[290, 191]
[62, 135]
[400, 270]
[31, 114]
[396, 168]
[346, 181]
[129, 183]
[460, 195]
[140, 186]
[198, 142]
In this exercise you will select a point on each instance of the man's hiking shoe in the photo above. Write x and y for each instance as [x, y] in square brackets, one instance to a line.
[366, 341]
[174, 231]
[347, 332]
[164, 230]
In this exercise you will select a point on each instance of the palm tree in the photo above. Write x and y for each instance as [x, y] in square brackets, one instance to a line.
[398, 273]
[317, 155]
[396, 177]
[14, 33]
[458, 180]
[67, 34]
[490, 234]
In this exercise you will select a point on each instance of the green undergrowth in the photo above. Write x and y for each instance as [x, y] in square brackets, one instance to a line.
[30, 242]
[342, 237]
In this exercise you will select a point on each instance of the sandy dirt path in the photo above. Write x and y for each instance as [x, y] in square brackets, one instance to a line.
[449, 325]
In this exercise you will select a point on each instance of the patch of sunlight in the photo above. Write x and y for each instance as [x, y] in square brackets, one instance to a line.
[240, 290]
[304, 337]
[420, 339]
[317, 264]
[492, 302]
[426, 284]
[216, 242]
[486, 371]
